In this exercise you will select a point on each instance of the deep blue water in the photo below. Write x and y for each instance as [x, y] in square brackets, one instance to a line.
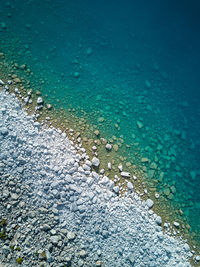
[134, 61]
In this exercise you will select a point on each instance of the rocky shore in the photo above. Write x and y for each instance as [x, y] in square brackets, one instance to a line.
[57, 211]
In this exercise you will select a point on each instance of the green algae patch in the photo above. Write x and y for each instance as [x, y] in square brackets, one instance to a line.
[3, 222]
[3, 235]
[19, 260]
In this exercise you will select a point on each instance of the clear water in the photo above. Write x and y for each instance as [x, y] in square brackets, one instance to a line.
[125, 61]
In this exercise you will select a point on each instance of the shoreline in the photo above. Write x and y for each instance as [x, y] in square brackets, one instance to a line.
[162, 206]
[104, 181]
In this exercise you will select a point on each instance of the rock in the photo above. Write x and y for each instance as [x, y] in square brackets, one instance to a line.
[109, 166]
[2, 83]
[96, 132]
[102, 171]
[40, 100]
[17, 91]
[105, 180]
[55, 239]
[131, 259]
[95, 161]
[5, 250]
[53, 232]
[48, 256]
[46, 227]
[3, 25]
[70, 235]
[17, 80]
[153, 165]
[120, 168]
[43, 210]
[176, 224]
[115, 147]
[125, 174]
[166, 191]
[149, 203]
[14, 196]
[76, 74]
[49, 106]
[101, 119]
[89, 51]
[68, 258]
[4, 131]
[108, 147]
[116, 189]
[158, 220]
[130, 186]
[143, 160]
[186, 247]
[82, 253]
[197, 258]
[139, 124]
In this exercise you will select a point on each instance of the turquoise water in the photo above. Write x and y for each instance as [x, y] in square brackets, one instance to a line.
[128, 62]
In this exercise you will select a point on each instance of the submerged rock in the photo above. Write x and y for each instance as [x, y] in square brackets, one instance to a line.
[108, 147]
[40, 100]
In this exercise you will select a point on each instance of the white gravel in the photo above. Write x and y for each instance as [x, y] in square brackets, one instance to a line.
[80, 207]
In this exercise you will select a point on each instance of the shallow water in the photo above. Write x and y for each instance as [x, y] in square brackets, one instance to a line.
[130, 63]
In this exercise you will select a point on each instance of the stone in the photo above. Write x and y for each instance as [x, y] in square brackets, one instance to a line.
[139, 124]
[101, 119]
[149, 203]
[130, 186]
[48, 256]
[46, 227]
[96, 132]
[144, 160]
[158, 220]
[176, 224]
[71, 235]
[125, 174]
[115, 147]
[109, 166]
[55, 239]
[186, 247]
[3, 25]
[120, 168]
[4, 131]
[14, 196]
[153, 165]
[76, 74]
[40, 100]
[131, 259]
[197, 258]
[2, 83]
[108, 147]
[49, 106]
[95, 161]
[82, 253]
[17, 80]
[166, 191]
[116, 189]
[53, 232]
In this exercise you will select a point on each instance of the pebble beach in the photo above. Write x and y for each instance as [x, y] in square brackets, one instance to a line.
[57, 210]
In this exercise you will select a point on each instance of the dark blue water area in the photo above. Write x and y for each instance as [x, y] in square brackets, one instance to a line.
[130, 62]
